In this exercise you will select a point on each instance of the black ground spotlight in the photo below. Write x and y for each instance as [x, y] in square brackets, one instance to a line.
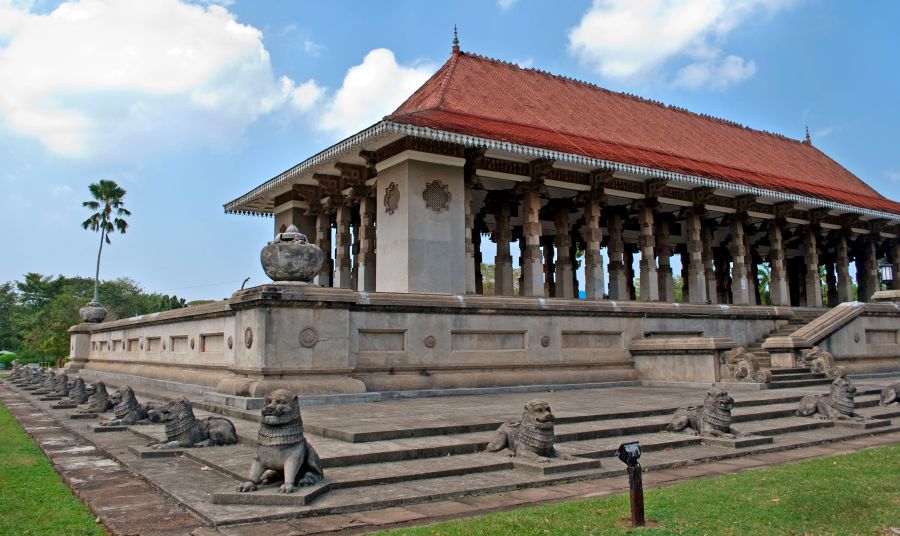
[630, 453]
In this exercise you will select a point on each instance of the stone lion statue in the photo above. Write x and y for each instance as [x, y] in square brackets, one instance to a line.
[61, 388]
[99, 401]
[744, 367]
[48, 384]
[15, 371]
[890, 395]
[713, 419]
[839, 404]
[187, 431]
[127, 411]
[282, 450]
[78, 392]
[822, 362]
[532, 437]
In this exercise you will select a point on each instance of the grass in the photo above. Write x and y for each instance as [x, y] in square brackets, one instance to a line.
[33, 498]
[857, 493]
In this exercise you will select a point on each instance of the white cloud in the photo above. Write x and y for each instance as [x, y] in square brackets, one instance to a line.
[627, 39]
[102, 76]
[370, 91]
[506, 4]
[892, 175]
[312, 48]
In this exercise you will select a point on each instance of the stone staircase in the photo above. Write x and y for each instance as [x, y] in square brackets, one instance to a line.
[789, 377]
[407, 452]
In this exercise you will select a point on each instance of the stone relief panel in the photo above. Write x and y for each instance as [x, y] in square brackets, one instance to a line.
[391, 198]
[382, 340]
[467, 341]
[591, 339]
[437, 196]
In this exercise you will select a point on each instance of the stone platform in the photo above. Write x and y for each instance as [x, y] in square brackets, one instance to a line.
[414, 452]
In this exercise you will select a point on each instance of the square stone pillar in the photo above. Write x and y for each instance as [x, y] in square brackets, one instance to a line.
[647, 243]
[685, 277]
[664, 254]
[842, 265]
[503, 268]
[366, 258]
[476, 245]
[323, 240]
[740, 290]
[549, 267]
[895, 261]
[752, 281]
[532, 267]
[420, 240]
[871, 270]
[593, 259]
[778, 285]
[343, 243]
[563, 243]
[712, 295]
[630, 250]
[721, 260]
[295, 212]
[471, 268]
[354, 251]
[812, 278]
[695, 281]
[616, 252]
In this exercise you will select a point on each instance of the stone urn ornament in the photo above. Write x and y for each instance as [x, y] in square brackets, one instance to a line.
[93, 313]
[291, 257]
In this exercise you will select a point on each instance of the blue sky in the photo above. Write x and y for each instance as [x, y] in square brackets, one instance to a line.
[188, 105]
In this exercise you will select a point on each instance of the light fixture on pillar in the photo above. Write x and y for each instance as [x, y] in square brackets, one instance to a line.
[887, 272]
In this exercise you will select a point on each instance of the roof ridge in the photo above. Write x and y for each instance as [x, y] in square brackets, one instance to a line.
[631, 96]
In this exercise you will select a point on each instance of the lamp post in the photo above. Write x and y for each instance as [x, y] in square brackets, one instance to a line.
[887, 273]
[629, 453]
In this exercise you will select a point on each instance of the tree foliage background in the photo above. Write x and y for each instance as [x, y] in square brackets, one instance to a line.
[36, 312]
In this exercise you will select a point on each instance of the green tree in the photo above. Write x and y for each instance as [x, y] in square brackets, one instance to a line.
[9, 336]
[109, 217]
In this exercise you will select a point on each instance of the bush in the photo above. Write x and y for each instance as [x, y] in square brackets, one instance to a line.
[6, 359]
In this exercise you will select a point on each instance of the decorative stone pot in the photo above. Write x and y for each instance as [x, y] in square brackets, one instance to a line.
[290, 257]
[93, 312]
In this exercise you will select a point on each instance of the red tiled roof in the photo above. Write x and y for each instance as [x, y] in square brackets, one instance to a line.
[482, 97]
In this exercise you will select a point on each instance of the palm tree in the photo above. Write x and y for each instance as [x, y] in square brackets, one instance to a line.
[765, 278]
[109, 217]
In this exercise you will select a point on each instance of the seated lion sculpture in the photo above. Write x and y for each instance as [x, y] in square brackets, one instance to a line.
[78, 392]
[713, 419]
[839, 404]
[890, 395]
[822, 362]
[128, 410]
[532, 437]
[48, 385]
[744, 367]
[187, 431]
[61, 388]
[99, 401]
[282, 450]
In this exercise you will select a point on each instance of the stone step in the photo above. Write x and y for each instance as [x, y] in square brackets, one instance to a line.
[784, 425]
[792, 376]
[789, 370]
[798, 383]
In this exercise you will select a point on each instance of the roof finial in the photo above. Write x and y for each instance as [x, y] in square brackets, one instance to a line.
[807, 140]
[455, 41]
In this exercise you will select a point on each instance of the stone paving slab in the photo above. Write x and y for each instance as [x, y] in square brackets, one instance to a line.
[271, 496]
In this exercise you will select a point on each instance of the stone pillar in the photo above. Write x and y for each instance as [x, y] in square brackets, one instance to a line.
[476, 245]
[629, 272]
[740, 291]
[831, 282]
[794, 275]
[532, 269]
[564, 272]
[354, 252]
[895, 261]
[366, 258]
[616, 251]
[696, 273]
[685, 278]
[323, 240]
[664, 252]
[750, 264]
[593, 259]
[343, 244]
[471, 268]
[712, 295]
[871, 272]
[842, 264]
[812, 278]
[549, 267]
[649, 276]
[503, 269]
[778, 287]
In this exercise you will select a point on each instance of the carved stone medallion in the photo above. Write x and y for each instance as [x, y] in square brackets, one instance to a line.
[308, 337]
[436, 196]
[545, 341]
[430, 341]
[391, 198]
[230, 342]
[248, 337]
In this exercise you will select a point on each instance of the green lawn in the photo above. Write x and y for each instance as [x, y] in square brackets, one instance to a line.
[857, 493]
[33, 498]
